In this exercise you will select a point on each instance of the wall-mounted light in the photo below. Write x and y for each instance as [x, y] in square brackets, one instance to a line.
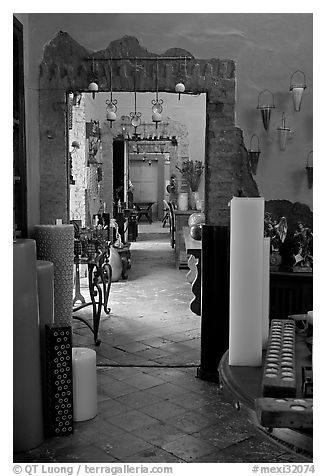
[309, 167]
[253, 154]
[283, 131]
[75, 145]
[266, 108]
[77, 98]
[297, 88]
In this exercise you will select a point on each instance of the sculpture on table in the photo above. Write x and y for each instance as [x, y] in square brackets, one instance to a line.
[277, 232]
[303, 248]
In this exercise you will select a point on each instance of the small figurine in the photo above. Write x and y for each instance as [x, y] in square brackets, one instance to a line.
[303, 254]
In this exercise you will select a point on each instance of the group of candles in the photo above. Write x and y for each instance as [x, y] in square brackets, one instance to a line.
[34, 307]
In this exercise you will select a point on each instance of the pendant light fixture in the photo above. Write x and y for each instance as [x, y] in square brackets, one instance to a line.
[309, 168]
[253, 154]
[180, 87]
[266, 108]
[93, 86]
[283, 133]
[135, 116]
[297, 88]
[111, 106]
[157, 103]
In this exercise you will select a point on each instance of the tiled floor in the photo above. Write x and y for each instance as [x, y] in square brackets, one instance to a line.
[151, 406]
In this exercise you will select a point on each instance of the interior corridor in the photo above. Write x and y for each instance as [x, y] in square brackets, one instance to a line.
[151, 406]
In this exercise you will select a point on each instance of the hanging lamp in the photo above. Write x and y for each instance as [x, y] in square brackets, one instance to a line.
[254, 155]
[283, 131]
[93, 86]
[180, 87]
[135, 116]
[297, 88]
[309, 168]
[111, 106]
[157, 103]
[266, 109]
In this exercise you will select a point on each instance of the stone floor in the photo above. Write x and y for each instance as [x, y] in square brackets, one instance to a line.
[151, 406]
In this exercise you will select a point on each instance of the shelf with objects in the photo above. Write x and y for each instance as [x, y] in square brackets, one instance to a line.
[283, 415]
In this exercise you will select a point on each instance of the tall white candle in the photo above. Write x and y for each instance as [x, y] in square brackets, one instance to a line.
[84, 383]
[246, 281]
[265, 313]
[27, 386]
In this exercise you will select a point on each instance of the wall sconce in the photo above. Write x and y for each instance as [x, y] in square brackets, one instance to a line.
[75, 145]
[77, 98]
[297, 89]
[266, 109]
[254, 155]
[283, 133]
[309, 167]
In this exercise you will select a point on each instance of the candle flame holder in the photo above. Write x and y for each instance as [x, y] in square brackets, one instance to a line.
[283, 133]
[266, 109]
[309, 169]
[297, 89]
[253, 155]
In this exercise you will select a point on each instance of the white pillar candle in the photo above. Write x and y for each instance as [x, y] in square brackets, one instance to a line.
[265, 313]
[27, 389]
[183, 201]
[246, 281]
[55, 243]
[45, 291]
[84, 383]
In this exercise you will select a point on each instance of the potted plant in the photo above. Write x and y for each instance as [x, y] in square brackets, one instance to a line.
[191, 171]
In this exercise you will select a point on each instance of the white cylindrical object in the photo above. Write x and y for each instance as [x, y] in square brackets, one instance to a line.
[246, 281]
[183, 201]
[55, 243]
[265, 313]
[84, 383]
[45, 291]
[27, 388]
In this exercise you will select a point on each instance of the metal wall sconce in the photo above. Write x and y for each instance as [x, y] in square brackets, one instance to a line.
[266, 109]
[77, 98]
[254, 155]
[297, 89]
[309, 168]
[283, 133]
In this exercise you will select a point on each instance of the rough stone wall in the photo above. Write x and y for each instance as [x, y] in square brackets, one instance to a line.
[77, 192]
[67, 66]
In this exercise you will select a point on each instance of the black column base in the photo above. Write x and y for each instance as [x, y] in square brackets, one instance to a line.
[208, 376]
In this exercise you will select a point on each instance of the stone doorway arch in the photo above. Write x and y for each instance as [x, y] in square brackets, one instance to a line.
[68, 67]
